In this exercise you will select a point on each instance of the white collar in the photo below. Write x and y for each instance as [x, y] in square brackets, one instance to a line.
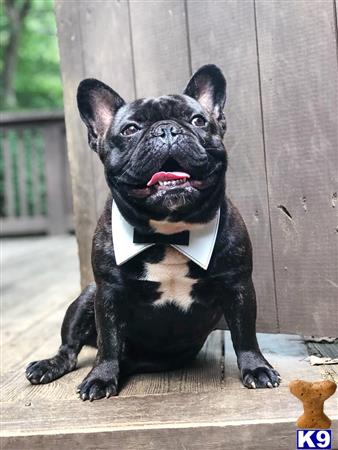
[199, 250]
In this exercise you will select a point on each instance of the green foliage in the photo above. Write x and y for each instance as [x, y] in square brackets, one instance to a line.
[37, 78]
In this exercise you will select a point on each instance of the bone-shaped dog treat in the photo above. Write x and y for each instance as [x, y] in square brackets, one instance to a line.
[313, 396]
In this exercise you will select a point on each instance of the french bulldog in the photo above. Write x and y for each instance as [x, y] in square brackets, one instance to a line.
[171, 254]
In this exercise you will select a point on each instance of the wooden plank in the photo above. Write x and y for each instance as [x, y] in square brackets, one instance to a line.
[55, 178]
[197, 408]
[35, 290]
[36, 181]
[107, 57]
[8, 175]
[160, 46]
[13, 118]
[226, 36]
[297, 55]
[203, 375]
[80, 156]
[327, 350]
[248, 436]
[174, 411]
[14, 226]
[22, 173]
[88, 50]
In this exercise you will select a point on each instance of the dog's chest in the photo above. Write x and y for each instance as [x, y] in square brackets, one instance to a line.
[172, 273]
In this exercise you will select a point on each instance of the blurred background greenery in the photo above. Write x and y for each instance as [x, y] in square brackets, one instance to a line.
[29, 58]
[30, 80]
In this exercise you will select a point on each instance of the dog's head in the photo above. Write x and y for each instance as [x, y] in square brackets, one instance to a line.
[163, 157]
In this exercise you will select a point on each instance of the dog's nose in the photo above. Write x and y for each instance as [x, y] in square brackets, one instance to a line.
[167, 132]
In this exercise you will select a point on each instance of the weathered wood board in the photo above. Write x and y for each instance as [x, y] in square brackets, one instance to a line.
[161, 57]
[280, 62]
[87, 50]
[214, 32]
[298, 66]
[203, 406]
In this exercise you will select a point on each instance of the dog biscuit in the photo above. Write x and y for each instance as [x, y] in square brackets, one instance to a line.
[313, 396]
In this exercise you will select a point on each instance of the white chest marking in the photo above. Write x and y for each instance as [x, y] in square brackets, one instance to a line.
[175, 287]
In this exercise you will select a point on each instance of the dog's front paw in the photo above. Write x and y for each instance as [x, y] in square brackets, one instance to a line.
[102, 381]
[47, 370]
[256, 372]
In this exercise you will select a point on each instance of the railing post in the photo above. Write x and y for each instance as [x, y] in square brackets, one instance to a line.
[55, 178]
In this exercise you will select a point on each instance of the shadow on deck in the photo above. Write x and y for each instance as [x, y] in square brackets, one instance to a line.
[202, 407]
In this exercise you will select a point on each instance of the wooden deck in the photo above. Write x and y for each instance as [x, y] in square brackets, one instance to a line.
[203, 407]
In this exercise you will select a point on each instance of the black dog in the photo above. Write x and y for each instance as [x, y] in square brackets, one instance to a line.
[179, 255]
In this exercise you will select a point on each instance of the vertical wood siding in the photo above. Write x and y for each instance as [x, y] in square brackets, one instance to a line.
[280, 61]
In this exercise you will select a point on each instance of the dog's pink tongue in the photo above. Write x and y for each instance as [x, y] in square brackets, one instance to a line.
[166, 176]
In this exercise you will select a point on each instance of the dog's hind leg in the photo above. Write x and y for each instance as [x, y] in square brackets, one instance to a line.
[78, 329]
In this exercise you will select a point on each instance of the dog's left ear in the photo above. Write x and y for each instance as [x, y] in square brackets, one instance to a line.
[97, 104]
[208, 87]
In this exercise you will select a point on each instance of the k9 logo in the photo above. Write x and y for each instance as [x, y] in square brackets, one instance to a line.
[314, 439]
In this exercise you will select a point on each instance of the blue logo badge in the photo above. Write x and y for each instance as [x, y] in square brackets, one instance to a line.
[315, 439]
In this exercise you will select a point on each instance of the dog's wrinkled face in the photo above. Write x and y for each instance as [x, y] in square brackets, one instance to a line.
[163, 156]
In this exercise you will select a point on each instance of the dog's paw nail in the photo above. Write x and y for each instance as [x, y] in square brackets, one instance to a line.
[83, 396]
[275, 385]
[253, 385]
[269, 384]
[110, 391]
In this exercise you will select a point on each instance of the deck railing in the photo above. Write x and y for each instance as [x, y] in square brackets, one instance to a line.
[35, 192]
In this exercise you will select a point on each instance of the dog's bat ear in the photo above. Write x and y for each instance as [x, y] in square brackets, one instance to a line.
[97, 104]
[208, 87]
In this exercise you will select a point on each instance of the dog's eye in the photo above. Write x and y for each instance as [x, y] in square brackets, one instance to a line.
[198, 121]
[129, 130]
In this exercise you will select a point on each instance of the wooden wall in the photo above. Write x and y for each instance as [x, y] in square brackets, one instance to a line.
[280, 61]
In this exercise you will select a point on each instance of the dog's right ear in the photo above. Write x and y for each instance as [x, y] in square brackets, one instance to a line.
[97, 104]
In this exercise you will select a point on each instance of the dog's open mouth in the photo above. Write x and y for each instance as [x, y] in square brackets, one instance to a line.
[168, 180]
[171, 178]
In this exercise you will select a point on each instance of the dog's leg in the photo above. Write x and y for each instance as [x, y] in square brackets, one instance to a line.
[102, 380]
[240, 314]
[78, 329]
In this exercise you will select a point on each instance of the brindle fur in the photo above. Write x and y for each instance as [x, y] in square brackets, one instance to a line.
[118, 312]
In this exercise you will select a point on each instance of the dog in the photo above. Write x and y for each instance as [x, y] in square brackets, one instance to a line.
[171, 254]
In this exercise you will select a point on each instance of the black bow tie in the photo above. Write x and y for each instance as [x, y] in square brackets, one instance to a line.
[158, 238]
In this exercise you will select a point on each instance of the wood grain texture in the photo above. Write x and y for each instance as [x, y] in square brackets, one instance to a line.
[237, 416]
[36, 187]
[297, 57]
[282, 134]
[200, 407]
[94, 41]
[22, 173]
[8, 175]
[203, 375]
[106, 53]
[224, 34]
[80, 156]
[160, 47]
[55, 178]
[248, 436]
